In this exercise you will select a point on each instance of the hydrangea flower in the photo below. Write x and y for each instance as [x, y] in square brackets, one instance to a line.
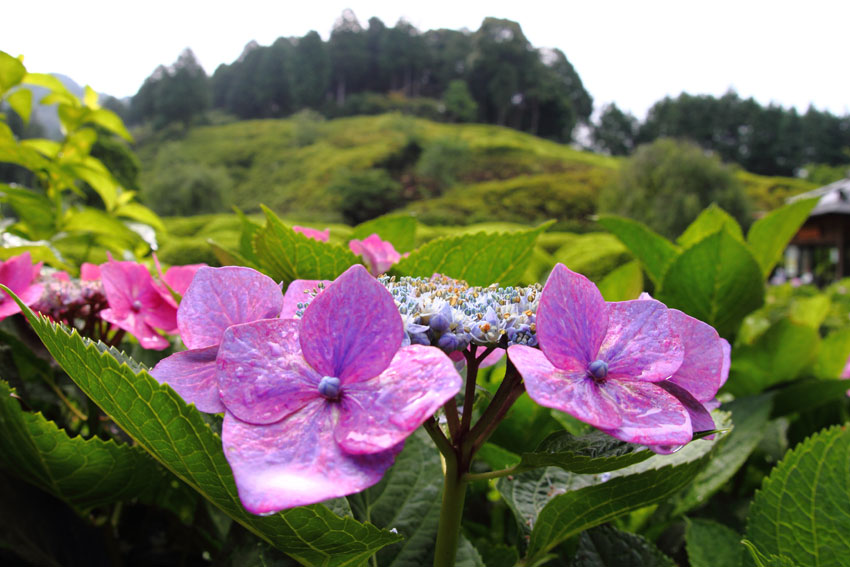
[137, 304]
[216, 299]
[318, 407]
[604, 363]
[18, 274]
[378, 254]
[320, 235]
[298, 296]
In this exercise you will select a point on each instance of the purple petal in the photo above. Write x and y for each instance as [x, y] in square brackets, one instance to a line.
[650, 415]
[299, 292]
[192, 375]
[296, 461]
[727, 351]
[353, 329]
[641, 343]
[701, 372]
[378, 413]
[701, 419]
[570, 392]
[571, 319]
[220, 297]
[261, 373]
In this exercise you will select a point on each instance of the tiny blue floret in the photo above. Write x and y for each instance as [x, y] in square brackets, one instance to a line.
[598, 369]
[329, 387]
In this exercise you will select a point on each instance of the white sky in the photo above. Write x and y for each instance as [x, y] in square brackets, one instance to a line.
[632, 52]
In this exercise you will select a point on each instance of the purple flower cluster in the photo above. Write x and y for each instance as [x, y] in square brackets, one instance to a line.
[637, 370]
[315, 407]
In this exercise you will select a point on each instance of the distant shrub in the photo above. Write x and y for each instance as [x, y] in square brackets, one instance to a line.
[307, 127]
[442, 161]
[364, 195]
[768, 193]
[188, 250]
[667, 183]
[460, 106]
[187, 188]
[373, 103]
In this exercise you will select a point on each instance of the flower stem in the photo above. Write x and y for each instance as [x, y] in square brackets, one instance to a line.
[451, 513]
[490, 475]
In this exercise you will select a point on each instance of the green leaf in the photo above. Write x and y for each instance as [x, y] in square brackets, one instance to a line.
[49, 82]
[571, 513]
[606, 546]
[623, 283]
[780, 354]
[717, 281]
[654, 251]
[108, 120]
[98, 222]
[467, 555]
[227, 257]
[398, 229]
[594, 453]
[496, 457]
[710, 543]
[246, 238]
[286, 255]
[140, 213]
[407, 499]
[802, 510]
[832, 355]
[12, 71]
[769, 235]
[480, 259]
[750, 416]
[93, 172]
[805, 395]
[762, 560]
[83, 473]
[176, 435]
[35, 211]
[21, 103]
[710, 220]
[810, 311]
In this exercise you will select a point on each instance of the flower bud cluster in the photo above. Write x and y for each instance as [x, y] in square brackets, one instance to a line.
[67, 300]
[451, 314]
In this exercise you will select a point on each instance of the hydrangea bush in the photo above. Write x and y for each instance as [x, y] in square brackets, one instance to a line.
[377, 403]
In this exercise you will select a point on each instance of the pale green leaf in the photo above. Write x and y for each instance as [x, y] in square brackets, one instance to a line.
[810, 311]
[90, 97]
[286, 255]
[802, 510]
[49, 82]
[93, 172]
[769, 235]
[833, 355]
[654, 251]
[110, 121]
[47, 148]
[177, 436]
[140, 213]
[623, 283]
[710, 220]
[12, 71]
[400, 230]
[21, 103]
[717, 281]
[479, 259]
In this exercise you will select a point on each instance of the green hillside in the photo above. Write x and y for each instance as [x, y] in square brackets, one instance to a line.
[444, 173]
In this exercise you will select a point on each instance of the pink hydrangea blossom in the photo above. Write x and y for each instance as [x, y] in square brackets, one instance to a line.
[378, 254]
[216, 299]
[18, 274]
[320, 235]
[137, 304]
[604, 363]
[318, 407]
[89, 272]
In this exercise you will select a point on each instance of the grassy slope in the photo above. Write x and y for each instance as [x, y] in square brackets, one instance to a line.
[511, 176]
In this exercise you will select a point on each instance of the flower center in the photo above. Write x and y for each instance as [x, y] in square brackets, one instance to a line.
[136, 306]
[329, 387]
[598, 369]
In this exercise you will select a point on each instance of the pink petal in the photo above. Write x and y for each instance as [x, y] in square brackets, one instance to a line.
[192, 374]
[651, 416]
[490, 360]
[89, 271]
[178, 278]
[571, 320]
[378, 254]
[261, 373]
[570, 392]
[16, 273]
[701, 419]
[221, 297]
[61, 276]
[296, 461]
[130, 289]
[379, 413]
[351, 330]
[701, 372]
[641, 343]
[320, 235]
[134, 324]
[296, 293]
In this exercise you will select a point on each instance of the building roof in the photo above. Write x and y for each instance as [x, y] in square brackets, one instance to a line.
[834, 198]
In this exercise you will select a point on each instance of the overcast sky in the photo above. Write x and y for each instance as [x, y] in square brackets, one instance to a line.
[629, 52]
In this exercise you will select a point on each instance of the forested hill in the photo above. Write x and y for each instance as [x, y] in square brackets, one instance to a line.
[351, 169]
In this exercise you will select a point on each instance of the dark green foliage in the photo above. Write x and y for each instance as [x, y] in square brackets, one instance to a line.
[460, 106]
[366, 194]
[616, 131]
[179, 93]
[667, 183]
[187, 188]
[119, 160]
[442, 161]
